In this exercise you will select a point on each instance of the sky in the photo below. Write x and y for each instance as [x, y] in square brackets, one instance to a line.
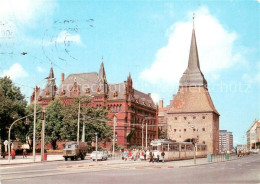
[149, 39]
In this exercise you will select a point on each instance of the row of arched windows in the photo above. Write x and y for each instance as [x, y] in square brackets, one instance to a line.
[115, 108]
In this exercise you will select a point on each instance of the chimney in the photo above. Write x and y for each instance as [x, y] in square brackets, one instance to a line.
[62, 77]
[160, 104]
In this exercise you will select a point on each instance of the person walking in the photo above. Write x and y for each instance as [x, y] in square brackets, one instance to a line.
[162, 154]
[144, 154]
[24, 153]
[13, 154]
[125, 155]
[151, 157]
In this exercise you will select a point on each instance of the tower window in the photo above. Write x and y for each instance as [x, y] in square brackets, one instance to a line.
[184, 129]
[194, 117]
[175, 130]
[203, 117]
[175, 118]
[185, 118]
[203, 129]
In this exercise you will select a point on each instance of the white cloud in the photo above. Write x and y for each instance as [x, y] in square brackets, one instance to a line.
[155, 97]
[15, 71]
[40, 69]
[215, 47]
[25, 11]
[64, 36]
[252, 78]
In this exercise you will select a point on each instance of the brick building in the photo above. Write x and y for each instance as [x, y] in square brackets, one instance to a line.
[131, 107]
[225, 141]
[191, 114]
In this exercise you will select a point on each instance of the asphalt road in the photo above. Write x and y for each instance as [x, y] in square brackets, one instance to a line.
[245, 170]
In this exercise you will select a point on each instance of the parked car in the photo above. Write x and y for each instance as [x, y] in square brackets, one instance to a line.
[99, 155]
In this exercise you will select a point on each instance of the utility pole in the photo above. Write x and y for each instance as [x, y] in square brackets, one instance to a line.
[146, 135]
[142, 136]
[114, 133]
[43, 136]
[96, 146]
[83, 129]
[34, 123]
[78, 123]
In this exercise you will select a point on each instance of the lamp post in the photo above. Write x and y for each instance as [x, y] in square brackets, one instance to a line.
[43, 135]
[96, 146]
[195, 144]
[114, 133]
[9, 132]
[146, 132]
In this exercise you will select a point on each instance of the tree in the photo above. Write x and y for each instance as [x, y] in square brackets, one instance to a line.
[29, 126]
[163, 134]
[12, 107]
[54, 122]
[95, 121]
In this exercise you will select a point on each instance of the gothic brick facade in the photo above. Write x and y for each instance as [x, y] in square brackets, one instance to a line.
[191, 115]
[131, 107]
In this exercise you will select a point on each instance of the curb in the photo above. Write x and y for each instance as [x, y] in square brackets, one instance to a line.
[21, 163]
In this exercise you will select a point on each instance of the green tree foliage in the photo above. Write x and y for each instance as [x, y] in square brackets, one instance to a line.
[163, 134]
[29, 126]
[53, 125]
[95, 122]
[12, 107]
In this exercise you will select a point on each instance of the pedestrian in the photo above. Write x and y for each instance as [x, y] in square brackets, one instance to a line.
[144, 154]
[158, 158]
[24, 153]
[162, 154]
[13, 154]
[151, 157]
[125, 155]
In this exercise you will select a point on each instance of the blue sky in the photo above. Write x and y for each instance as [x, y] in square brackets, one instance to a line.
[150, 39]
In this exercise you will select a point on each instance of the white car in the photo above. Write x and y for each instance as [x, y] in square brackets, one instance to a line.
[99, 155]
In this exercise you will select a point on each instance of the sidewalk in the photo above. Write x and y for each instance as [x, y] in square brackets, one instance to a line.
[20, 160]
[177, 163]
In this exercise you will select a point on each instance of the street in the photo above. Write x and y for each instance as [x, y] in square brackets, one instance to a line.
[242, 170]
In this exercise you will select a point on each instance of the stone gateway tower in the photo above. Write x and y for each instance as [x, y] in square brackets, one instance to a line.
[191, 116]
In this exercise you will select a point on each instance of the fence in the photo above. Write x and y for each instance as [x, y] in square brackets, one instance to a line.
[221, 157]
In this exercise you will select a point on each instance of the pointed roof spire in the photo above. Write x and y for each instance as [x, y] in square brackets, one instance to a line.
[129, 76]
[51, 85]
[193, 75]
[102, 74]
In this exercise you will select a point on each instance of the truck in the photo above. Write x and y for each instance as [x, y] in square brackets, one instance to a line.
[73, 150]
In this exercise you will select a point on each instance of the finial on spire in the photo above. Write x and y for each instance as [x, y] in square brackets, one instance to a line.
[193, 19]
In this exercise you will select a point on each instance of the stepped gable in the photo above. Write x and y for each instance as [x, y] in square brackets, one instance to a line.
[80, 82]
[143, 98]
[116, 91]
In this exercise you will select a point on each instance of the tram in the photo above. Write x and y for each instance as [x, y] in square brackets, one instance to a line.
[176, 150]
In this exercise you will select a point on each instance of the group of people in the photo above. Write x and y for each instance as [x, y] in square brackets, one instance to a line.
[12, 153]
[137, 154]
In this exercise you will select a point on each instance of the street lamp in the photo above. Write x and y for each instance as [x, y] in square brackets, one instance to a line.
[96, 146]
[79, 120]
[9, 132]
[114, 133]
[195, 144]
[146, 131]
